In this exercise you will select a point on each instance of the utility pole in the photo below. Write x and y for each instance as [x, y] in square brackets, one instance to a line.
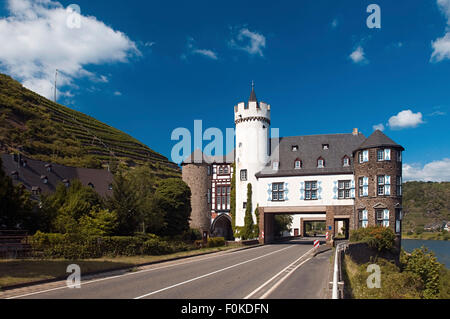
[56, 75]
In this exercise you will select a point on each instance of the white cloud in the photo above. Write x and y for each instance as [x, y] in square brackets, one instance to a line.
[357, 56]
[192, 50]
[117, 93]
[378, 127]
[405, 119]
[441, 46]
[37, 41]
[436, 171]
[249, 41]
[334, 23]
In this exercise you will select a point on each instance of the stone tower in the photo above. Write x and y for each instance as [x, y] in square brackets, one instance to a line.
[378, 180]
[196, 176]
[252, 120]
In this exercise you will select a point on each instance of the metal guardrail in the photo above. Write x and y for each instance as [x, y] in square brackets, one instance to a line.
[338, 285]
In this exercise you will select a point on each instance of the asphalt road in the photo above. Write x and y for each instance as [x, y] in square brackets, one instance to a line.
[285, 270]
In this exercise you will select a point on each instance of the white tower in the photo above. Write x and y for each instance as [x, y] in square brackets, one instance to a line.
[252, 122]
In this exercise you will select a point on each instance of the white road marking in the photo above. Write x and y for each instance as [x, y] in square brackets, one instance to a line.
[211, 273]
[131, 273]
[290, 269]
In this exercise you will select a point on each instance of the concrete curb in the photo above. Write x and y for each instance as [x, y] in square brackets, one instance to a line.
[93, 273]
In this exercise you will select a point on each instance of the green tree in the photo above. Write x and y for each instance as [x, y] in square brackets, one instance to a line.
[15, 205]
[424, 264]
[282, 223]
[233, 200]
[124, 202]
[99, 222]
[248, 231]
[172, 200]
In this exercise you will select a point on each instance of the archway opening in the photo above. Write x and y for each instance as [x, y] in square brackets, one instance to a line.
[221, 227]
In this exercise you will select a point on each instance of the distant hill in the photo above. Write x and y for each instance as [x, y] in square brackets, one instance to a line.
[425, 203]
[48, 131]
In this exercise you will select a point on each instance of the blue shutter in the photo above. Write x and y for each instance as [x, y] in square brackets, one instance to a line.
[269, 192]
[286, 191]
[302, 190]
[335, 190]
[319, 190]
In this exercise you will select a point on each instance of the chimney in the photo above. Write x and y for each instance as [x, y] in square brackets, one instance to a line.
[355, 131]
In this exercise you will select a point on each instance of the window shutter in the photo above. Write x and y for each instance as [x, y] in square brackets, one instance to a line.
[319, 190]
[387, 154]
[387, 185]
[386, 214]
[269, 191]
[335, 190]
[286, 191]
[302, 190]
[352, 193]
[366, 156]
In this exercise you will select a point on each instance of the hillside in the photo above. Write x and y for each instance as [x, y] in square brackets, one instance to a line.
[48, 131]
[425, 203]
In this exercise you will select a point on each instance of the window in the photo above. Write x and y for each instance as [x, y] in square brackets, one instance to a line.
[294, 148]
[325, 146]
[44, 179]
[278, 192]
[275, 166]
[382, 217]
[399, 156]
[208, 196]
[380, 185]
[380, 155]
[311, 190]
[363, 186]
[383, 185]
[363, 218]
[298, 164]
[243, 174]
[364, 156]
[244, 205]
[209, 170]
[384, 154]
[398, 220]
[222, 197]
[110, 187]
[320, 163]
[346, 161]
[220, 170]
[399, 186]
[225, 170]
[91, 185]
[344, 189]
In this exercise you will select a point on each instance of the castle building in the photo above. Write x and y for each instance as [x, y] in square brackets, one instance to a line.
[346, 180]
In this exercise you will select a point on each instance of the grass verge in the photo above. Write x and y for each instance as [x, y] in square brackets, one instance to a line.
[28, 271]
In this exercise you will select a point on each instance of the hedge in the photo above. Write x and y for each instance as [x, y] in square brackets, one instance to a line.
[71, 246]
[216, 242]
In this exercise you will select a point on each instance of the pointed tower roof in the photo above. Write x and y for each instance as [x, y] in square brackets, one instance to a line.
[378, 139]
[252, 97]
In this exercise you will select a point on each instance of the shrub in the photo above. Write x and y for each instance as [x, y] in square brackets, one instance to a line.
[216, 242]
[377, 237]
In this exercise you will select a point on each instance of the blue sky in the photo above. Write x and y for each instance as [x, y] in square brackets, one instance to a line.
[148, 67]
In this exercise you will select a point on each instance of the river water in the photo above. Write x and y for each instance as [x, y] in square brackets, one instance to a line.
[441, 248]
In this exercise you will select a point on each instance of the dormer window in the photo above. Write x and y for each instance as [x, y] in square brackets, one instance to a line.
[294, 148]
[346, 161]
[275, 165]
[66, 182]
[24, 163]
[48, 167]
[110, 187]
[320, 163]
[91, 185]
[298, 164]
[325, 146]
[35, 190]
[15, 174]
[44, 179]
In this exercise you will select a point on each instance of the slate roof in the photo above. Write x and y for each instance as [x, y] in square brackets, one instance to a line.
[31, 175]
[310, 149]
[378, 139]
